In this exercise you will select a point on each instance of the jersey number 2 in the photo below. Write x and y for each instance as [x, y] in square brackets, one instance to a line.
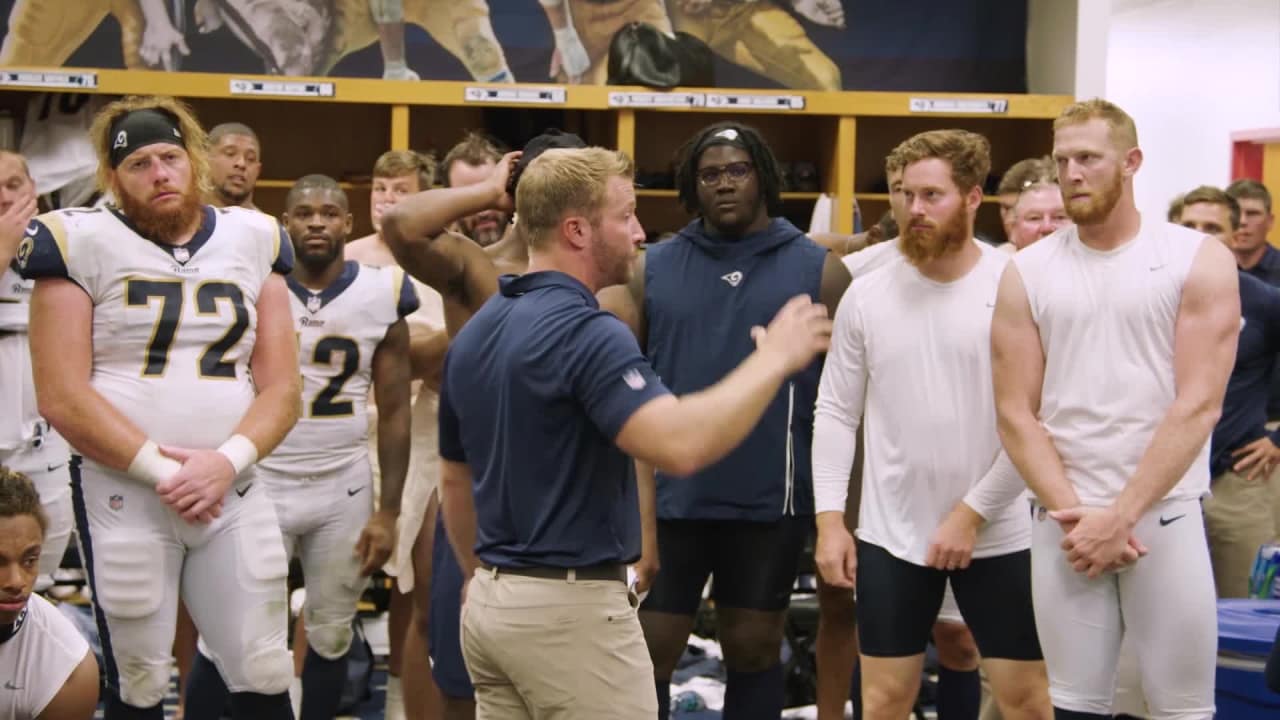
[170, 293]
[324, 405]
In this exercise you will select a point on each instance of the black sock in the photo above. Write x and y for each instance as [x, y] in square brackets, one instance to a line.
[959, 694]
[207, 693]
[855, 691]
[754, 695]
[664, 698]
[256, 706]
[117, 710]
[1060, 714]
[322, 683]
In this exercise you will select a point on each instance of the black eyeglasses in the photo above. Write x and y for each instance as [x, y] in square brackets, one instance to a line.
[736, 172]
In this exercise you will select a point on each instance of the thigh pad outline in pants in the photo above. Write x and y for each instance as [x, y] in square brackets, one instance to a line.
[133, 563]
[1170, 612]
[234, 584]
[330, 567]
[1078, 623]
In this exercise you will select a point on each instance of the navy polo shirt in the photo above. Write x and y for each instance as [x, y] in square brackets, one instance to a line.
[1244, 408]
[1268, 271]
[536, 387]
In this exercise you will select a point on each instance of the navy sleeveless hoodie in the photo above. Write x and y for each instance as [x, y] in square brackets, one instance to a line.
[702, 297]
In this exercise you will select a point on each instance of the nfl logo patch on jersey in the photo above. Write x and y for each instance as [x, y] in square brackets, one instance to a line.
[181, 254]
[634, 379]
[1041, 513]
[116, 502]
[313, 303]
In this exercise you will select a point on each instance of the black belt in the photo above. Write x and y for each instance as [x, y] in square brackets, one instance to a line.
[603, 571]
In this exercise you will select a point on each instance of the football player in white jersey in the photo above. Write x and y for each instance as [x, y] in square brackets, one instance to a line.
[911, 346]
[27, 444]
[352, 335]
[48, 670]
[1112, 344]
[163, 350]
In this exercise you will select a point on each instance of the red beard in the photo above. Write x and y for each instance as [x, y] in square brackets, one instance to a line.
[920, 246]
[162, 225]
[1099, 205]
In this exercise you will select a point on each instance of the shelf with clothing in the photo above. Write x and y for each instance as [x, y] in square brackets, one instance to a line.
[839, 139]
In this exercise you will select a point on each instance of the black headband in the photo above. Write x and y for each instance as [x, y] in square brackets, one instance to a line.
[140, 128]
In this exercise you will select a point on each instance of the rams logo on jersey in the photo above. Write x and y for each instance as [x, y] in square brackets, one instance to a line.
[24, 249]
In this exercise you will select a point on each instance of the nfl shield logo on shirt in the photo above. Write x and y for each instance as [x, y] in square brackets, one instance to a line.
[116, 502]
[181, 254]
[634, 379]
[1041, 513]
[313, 303]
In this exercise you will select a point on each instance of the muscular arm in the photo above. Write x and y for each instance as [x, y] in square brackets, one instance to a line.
[1017, 361]
[426, 355]
[835, 281]
[451, 264]
[61, 337]
[391, 379]
[274, 365]
[78, 698]
[459, 507]
[1204, 352]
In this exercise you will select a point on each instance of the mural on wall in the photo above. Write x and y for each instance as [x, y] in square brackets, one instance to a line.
[960, 45]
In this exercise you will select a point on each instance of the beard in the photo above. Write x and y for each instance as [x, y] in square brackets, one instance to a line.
[613, 266]
[1099, 205]
[317, 260]
[162, 225]
[485, 236]
[922, 245]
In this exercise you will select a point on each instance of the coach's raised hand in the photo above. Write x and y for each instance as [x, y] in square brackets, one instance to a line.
[798, 333]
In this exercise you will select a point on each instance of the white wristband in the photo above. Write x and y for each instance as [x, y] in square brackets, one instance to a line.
[150, 466]
[241, 451]
[550, 3]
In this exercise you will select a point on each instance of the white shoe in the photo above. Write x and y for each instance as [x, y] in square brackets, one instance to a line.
[829, 13]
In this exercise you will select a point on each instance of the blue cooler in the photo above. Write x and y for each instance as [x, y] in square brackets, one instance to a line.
[1246, 631]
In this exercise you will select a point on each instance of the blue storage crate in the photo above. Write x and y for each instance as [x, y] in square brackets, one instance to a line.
[1246, 631]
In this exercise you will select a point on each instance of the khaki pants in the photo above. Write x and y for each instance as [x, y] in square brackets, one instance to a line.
[555, 650]
[1239, 518]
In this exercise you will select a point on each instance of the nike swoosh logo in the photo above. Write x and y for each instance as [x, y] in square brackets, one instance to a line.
[10, 686]
[51, 468]
[1164, 522]
[353, 493]
[245, 490]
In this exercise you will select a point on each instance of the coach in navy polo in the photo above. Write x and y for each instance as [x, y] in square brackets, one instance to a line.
[543, 393]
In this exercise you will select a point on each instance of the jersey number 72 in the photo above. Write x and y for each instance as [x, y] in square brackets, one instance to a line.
[171, 295]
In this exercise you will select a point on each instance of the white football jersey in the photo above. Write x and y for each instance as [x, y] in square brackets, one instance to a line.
[339, 328]
[173, 327]
[17, 391]
[38, 659]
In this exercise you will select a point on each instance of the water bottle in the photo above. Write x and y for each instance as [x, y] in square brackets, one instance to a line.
[1264, 581]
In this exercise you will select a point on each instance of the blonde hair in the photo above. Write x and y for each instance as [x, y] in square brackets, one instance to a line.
[968, 153]
[1123, 132]
[564, 180]
[194, 139]
[398, 163]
